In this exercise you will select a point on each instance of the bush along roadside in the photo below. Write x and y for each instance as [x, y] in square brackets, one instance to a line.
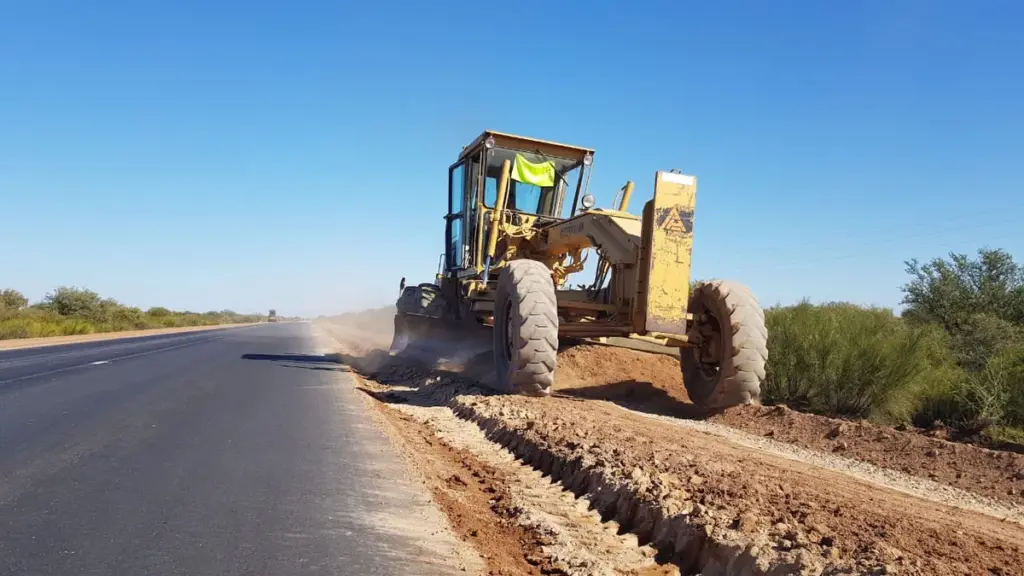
[955, 357]
[71, 311]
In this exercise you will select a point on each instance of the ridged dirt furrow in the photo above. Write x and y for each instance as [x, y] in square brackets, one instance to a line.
[713, 503]
[719, 508]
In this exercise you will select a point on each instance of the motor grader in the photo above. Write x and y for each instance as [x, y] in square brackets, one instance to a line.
[521, 221]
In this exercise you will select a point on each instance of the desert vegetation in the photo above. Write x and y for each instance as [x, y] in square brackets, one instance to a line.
[954, 356]
[69, 310]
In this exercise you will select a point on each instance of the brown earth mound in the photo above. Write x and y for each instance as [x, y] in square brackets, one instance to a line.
[992, 473]
[652, 383]
[715, 504]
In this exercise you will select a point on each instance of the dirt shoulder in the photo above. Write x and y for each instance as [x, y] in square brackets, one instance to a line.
[737, 504]
[720, 502]
[651, 383]
[16, 343]
[517, 521]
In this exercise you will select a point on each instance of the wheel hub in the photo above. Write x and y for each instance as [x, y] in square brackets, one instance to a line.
[508, 332]
[709, 353]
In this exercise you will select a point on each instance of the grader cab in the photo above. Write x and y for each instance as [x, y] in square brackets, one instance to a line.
[521, 221]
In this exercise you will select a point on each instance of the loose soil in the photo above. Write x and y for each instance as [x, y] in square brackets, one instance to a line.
[780, 513]
[517, 521]
[996, 474]
[720, 503]
[472, 495]
[652, 383]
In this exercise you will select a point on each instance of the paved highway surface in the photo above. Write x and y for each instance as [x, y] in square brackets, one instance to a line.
[220, 452]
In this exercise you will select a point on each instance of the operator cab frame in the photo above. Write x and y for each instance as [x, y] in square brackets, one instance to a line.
[473, 183]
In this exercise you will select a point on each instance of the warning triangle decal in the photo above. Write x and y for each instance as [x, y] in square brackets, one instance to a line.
[675, 221]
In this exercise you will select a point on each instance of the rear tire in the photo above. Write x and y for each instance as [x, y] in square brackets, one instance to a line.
[525, 329]
[743, 340]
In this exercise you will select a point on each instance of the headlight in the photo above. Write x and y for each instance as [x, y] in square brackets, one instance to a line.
[588, 201]
[489, 143]
[588, 160]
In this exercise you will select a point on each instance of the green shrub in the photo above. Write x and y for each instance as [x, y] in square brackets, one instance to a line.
[70, 311]
[11, 299]
[844, 359]
[992, 397]
[72, 301]
[981, 337]
[16, 328]
[75, 326]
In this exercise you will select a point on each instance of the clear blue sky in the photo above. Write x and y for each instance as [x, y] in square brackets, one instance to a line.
[248, 155]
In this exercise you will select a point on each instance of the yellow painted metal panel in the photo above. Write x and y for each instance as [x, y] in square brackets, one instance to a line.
[668, 288]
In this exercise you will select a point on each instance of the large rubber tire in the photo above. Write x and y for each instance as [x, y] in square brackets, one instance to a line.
[744, 347]
[424, 299]
[413, 303]
[525, 329]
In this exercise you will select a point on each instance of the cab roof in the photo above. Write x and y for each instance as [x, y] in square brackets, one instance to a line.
[514, 142]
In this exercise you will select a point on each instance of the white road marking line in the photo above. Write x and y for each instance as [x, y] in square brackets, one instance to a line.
[65, 369]
[98, 362]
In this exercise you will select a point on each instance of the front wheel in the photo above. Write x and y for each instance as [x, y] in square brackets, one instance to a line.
[525, 329]
[726, 365]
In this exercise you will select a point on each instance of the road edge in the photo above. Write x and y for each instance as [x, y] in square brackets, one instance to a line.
[23, 343]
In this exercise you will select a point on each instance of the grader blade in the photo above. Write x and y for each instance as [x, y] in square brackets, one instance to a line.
[413, 332]
[439, 342]
[408, 328]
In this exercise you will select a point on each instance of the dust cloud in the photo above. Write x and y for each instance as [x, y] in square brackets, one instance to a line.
[368, 335]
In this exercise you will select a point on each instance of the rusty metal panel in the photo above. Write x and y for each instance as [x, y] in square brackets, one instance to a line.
[668, 285]
[514, 142]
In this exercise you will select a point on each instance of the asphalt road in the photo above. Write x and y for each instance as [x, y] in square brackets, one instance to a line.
[236, 451]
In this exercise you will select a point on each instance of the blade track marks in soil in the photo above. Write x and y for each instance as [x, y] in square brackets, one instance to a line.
[719, 507]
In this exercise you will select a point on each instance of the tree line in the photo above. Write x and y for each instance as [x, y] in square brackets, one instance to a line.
[69, 310]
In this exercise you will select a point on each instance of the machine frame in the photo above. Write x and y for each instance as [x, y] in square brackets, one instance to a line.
[510, 248]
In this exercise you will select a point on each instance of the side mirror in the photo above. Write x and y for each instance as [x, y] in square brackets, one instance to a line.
[401, 285]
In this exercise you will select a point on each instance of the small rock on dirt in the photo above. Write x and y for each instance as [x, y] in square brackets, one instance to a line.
[837, 431]
[746, 521]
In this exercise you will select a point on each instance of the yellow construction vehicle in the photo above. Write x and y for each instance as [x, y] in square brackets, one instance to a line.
[512, 241]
